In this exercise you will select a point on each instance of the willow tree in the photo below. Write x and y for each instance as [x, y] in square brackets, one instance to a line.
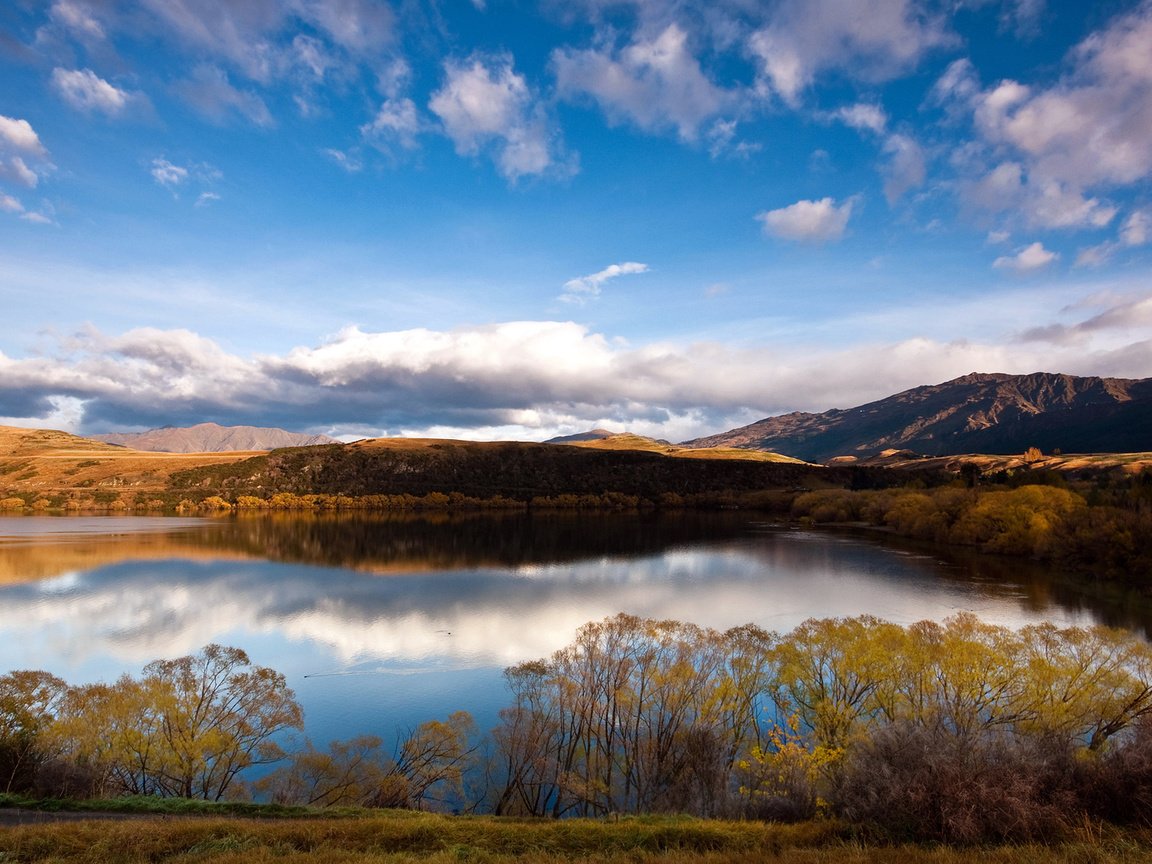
[28, 704]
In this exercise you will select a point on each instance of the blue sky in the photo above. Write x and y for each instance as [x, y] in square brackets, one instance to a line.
[490, 219]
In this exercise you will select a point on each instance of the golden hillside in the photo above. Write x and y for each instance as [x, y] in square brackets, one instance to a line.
[628, 441]
[45, 460]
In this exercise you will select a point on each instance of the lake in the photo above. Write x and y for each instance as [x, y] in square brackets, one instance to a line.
[381, 623]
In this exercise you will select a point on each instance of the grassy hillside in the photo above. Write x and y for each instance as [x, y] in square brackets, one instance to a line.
[628, 441]
[58, 467]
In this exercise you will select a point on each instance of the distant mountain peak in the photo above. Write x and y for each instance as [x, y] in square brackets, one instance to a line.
[592, 435]
[212, 438]
[981, 412]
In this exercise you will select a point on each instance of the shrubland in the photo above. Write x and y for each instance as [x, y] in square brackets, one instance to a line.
[1099, 529]
[958, 732]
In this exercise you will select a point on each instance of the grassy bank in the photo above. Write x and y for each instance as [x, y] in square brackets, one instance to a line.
[394, 837]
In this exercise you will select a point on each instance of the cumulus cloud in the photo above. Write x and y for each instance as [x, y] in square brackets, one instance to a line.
[19, 136]
[1055, 149]
[1030, 258]
[1007, 188]
[297, 43]
[528, 379]
[811, 221]
[879, 40]
[1133, 232]
[654, 83]
[863, 115]
[167, 174]
[484, 103]
[19, 145]
[584, 288]
[906, 166]
[84, 90]
[397, 122]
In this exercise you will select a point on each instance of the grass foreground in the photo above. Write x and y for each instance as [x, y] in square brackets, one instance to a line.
[400, 836]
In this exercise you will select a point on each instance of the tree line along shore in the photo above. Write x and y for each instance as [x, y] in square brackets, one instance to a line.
[958, 732]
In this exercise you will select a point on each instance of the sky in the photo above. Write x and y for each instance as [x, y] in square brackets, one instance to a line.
[498, 219]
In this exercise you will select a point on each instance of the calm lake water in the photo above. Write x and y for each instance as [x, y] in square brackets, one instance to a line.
[380, 624]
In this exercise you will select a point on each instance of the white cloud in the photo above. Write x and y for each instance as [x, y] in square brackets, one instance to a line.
[816, 221]
[84, 90]
[77, 18]
[871, 39]
[10, 205]
[348, 160]
[1135, 231]
[16, 169]
[533, 378]
[312, 55]
[584, 288]
[654, 83]
[206, 198]
[19, 142]
[210, 93]
[360, 26]
[863, 115]
[19, 135]
[167, 174]
[957, 87]
[906, 168]
[1027, 260]
[242, 34]
[1121, 313]
[396, 121]
[1041, 203]
[1088, 133]
[485, 103]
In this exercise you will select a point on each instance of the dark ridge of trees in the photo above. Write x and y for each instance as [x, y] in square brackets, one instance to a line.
[958, 731]
[513, 471]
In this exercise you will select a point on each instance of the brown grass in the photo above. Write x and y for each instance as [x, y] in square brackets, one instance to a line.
[628, 441]
[427, 838]
[38, 460]
[1129, 463]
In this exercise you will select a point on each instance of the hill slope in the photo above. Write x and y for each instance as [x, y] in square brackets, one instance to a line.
[977, 413]
[45, 461]
[516, 470]
[212, 438]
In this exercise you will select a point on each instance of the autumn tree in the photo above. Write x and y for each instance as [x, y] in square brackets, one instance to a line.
[348, 773]
[28, 705]
[221, 715]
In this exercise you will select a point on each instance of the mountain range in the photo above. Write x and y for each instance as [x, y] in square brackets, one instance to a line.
[978, 413]
[211, 438]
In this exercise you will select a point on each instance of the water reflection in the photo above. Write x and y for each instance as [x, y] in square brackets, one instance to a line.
[385, 621]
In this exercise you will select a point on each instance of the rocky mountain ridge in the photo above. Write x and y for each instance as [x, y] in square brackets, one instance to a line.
[211, 438]
[992, 413]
